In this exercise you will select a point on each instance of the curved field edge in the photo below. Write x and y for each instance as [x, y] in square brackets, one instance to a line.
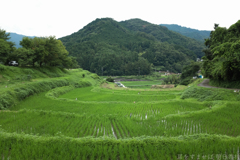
[22, 146]
[210, 106]
[56, 92]
[12, 95]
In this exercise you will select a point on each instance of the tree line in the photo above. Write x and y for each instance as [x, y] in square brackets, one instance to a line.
[37, 51]
[222, 56]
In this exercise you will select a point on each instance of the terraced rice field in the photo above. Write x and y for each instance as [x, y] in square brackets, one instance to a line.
[103, 123]
[141, 84]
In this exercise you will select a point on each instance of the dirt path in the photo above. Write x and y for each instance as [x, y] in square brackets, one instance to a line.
[205, 83]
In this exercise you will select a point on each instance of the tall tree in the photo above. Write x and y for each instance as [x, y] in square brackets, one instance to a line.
[47, 51]
[23, 56]
[5, 47]
[222, 57]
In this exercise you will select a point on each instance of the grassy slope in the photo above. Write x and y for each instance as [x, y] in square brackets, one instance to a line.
[19, 83]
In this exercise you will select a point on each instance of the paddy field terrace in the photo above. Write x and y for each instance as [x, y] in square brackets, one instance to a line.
[52, 113]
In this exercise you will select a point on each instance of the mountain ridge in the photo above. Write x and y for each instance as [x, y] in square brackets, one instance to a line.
[199, 35]
[105, 46]
[163, 34]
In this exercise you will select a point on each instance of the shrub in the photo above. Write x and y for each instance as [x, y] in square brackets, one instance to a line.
[225, 84]
[95, 76]
[110, 79]
[2, 67]
[201, 94]
[186, 81]
[238, 97]
[82, 84]
[7, 100]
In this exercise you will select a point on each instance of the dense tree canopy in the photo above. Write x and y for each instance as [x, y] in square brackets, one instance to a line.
[46, 51]
[189, 72]
[222, 56]
[162, 34]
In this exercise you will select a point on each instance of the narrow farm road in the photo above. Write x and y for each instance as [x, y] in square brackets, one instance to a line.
[205, 83]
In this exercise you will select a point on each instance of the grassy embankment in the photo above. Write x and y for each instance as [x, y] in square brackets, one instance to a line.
[108, 122]
[16, 84]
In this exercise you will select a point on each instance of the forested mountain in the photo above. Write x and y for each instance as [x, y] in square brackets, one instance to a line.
[188, 32]
[16, 38]
[124, 48]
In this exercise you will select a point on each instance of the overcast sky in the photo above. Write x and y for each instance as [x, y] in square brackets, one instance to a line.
[63, 17]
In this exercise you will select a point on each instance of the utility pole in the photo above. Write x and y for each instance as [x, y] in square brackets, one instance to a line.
[139, 70]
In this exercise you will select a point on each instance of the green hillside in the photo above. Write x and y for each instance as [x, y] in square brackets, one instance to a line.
[162, 34]
[108, 47]
[188, 32]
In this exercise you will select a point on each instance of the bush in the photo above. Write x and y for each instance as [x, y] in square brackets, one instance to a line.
[225, 84]
[201, 94]
[190, 70]
[2, 67]
[7, 100]
[110, 79]
[186, 81]
[82, 83]
[95, 76]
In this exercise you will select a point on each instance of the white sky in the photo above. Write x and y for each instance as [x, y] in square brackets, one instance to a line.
[63, 17]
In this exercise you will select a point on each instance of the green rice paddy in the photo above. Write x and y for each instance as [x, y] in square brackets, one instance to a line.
[108, 122]
[141, 84]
